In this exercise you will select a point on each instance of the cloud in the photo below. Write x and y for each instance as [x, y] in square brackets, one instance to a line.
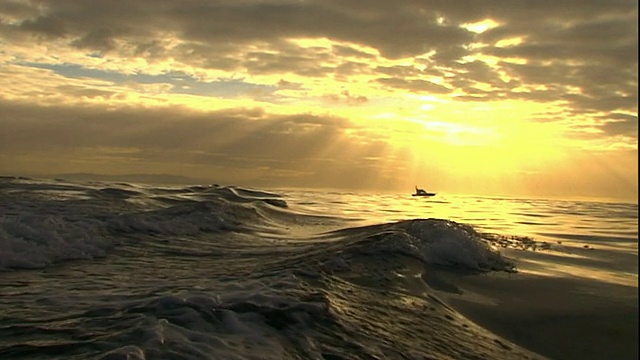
[621, 124]
[296, 84]
[415, 85]
[589, 45]
[232, 140]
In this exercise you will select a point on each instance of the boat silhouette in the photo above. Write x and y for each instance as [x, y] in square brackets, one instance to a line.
[422, 192]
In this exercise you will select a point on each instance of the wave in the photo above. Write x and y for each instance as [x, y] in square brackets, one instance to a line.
[138, 272]
[433, 241]
[44, 223]
[341, 321]
[134, 271]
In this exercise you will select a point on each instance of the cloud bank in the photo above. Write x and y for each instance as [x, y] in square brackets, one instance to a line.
[329, 93]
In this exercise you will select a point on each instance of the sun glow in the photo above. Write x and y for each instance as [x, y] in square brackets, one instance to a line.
[481, 26]
[510, 42]
[332, 103]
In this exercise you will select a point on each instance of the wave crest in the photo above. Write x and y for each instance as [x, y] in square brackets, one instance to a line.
[434, 242]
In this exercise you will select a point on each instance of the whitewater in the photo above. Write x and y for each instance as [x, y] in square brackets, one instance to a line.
[115, 270]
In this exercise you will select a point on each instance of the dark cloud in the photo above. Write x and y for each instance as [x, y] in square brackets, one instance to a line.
[622, 124]
[232, 139]
[96, 25]
[292, 60]
[585, 44]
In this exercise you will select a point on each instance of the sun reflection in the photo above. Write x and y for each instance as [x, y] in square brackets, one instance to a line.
[555, 269]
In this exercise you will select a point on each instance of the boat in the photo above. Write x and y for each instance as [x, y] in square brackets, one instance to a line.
[422, 192]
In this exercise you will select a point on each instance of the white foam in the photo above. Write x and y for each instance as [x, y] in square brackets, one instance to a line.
[443, 242]
[450, 243]
[35, 241]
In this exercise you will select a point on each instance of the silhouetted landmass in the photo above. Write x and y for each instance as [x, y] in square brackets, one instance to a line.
[165, 179]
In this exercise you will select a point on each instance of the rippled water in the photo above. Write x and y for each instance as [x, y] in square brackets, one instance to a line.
[132, 271]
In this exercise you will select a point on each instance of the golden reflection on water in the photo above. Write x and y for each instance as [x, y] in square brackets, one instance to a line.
[541, 219]
[542, 268]
[588, 265]
[585, 239]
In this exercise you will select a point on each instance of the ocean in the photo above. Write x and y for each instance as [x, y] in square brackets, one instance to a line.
[114, 270]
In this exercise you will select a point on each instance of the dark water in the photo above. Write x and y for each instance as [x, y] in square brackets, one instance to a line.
[129, 271]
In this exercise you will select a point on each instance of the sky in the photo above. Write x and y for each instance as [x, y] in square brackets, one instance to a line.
[495, 97]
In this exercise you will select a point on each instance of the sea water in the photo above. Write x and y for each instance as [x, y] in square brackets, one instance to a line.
[99, 270]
